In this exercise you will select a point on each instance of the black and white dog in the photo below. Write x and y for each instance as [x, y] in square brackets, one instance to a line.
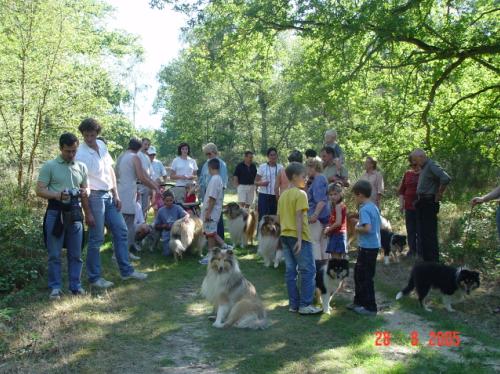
[392, 244]
[449, 280]
[330, 279]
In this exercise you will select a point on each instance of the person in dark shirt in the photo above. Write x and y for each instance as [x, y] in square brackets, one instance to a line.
[244, 180]
[431, 185]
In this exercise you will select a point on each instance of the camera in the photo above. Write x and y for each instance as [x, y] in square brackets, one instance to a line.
[72, 204]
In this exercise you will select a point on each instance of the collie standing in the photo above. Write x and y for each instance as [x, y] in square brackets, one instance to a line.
[241, 224]
[233, 296]
[269, 240]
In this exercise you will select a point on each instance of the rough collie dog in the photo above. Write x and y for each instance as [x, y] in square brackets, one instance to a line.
[392, 244]
[187, 235]
[232, 295]
[269, 239]
[241, 224]
[451, 281]
[330, 280]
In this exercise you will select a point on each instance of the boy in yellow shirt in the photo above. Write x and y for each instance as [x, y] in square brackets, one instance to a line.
[297, 247]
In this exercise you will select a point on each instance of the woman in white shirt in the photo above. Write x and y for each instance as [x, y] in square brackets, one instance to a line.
[267, 175]
[184, 168]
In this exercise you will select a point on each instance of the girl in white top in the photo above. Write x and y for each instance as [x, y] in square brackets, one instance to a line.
[267, 175]
[184, 168]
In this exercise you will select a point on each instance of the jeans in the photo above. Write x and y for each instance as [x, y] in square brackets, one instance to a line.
[104, 211]
[427, 229]
[411, 231]
[165, 243]
[71, 238]
[302, 263]
[364, 271]
[266, 204]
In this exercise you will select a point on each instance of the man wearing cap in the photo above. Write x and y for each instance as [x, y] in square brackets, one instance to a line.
[159, 173]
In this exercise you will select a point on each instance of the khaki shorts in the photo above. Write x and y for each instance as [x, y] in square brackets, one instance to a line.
[246, 193]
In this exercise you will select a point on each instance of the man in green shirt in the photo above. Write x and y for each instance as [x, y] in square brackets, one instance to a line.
[63, 182]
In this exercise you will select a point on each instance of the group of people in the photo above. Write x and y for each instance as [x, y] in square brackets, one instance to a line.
[306, 196]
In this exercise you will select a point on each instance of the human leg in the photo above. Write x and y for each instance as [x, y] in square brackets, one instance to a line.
[291, 272]
[96, 237]
[73, 239]
[54, 248]
[411, 230]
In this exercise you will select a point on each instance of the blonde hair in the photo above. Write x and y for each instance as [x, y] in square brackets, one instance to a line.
[210, 147]
[315, 164]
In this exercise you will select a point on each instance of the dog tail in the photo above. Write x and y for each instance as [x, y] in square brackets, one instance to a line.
[176, 245]
[405, 291]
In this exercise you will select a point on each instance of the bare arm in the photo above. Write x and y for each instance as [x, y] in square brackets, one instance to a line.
[210, 207]
[495, 194]
[235, 181]
[338, 216]
[142, 176]
[43, 191]
[365, 229]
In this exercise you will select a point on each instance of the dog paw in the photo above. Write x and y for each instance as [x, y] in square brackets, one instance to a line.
[399, 295]
[218, 325]
[276, 264]
[427, 309]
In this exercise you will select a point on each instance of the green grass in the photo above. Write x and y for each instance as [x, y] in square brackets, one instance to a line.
[162, 322]
[136, 327]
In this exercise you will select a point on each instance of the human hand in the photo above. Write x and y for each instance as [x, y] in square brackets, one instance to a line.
[264, 183]
[325, 231]
[84, 192]
[297, 247]
[118, 203]
[207, 216]
[477, 200]
[89, 220]
[313, 218]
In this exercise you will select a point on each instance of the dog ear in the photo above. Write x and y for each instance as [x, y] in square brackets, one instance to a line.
[229, 252]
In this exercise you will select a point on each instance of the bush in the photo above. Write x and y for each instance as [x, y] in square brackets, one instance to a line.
[21, 243]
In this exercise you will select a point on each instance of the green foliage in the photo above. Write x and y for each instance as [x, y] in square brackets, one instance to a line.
[52, 75]
[21, 243]
[389, 76]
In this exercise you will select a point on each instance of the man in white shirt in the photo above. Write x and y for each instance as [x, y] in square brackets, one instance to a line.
[104, 205]
[159, 173]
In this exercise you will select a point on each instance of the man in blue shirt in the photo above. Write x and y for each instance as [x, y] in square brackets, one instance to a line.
[368, 229]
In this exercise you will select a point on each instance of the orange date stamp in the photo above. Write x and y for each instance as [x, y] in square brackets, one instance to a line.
[434, 339]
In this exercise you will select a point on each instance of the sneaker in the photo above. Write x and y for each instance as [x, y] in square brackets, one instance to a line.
[293, 310]
[79, 291]
[352, 306]
[204, 261]
[133, 257]
[365, 312]
[310, 309]
[227, 247]
[135, 275]
[102, 283]
[55, 294]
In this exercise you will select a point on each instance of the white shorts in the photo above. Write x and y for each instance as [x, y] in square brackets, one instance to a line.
[246, 193]
[210, 228]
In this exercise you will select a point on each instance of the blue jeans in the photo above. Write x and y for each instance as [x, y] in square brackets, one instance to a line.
[498, 221]
[71, 238]
[165, 243]
[302, 263]
[104, 211]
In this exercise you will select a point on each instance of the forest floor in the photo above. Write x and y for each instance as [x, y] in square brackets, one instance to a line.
[161, 325]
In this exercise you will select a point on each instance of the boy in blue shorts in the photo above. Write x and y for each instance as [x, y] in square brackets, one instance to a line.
[368, 229]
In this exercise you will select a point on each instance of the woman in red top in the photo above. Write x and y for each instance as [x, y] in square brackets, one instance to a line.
[407, 198]
[337, 224]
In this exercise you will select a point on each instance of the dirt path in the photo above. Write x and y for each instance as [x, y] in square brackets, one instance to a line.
[181, 351]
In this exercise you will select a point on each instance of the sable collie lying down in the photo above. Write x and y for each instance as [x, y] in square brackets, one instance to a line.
[232, 295]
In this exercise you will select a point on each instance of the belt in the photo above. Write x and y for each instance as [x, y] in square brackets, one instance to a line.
[101, 191]
[426, 196]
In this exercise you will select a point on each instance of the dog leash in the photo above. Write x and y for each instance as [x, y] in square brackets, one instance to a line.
[466, 237]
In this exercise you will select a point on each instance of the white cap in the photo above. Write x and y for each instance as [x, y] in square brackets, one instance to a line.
[151, 150]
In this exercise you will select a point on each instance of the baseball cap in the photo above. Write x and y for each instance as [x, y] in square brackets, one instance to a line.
[151, 150]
